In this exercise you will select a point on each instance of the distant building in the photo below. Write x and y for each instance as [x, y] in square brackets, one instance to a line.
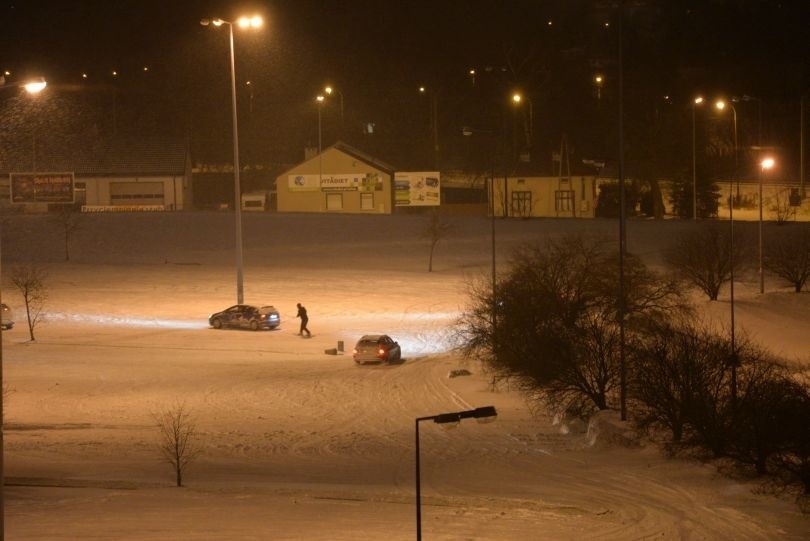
[526, 196]
[341, 179]
[108, 176]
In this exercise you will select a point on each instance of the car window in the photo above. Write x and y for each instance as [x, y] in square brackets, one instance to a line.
[233, 309]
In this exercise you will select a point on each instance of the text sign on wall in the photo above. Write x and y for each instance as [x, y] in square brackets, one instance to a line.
[41, 187]
[363, 182]
[417, 189]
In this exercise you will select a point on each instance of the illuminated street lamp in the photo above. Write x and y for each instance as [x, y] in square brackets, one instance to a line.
[434, 121]
[329, 90]
[319, 99]
[598, 80]
[32, 87]
[765, 166]
[242, 22]
[517, 100]
[484, 414]
[697, 101]
[721, 105]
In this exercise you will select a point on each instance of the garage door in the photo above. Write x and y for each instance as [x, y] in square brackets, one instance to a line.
[136, 193]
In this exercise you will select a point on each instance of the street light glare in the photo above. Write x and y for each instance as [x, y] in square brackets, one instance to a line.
[767, 163]
[517, 98]
[249, 22]
[699, 100]
[320, 98]
[328, 90]
[217, 22]
[720, 105]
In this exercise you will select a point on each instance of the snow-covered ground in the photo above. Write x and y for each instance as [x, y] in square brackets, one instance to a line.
[298, 444]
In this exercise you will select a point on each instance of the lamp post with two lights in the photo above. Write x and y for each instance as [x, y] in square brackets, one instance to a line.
[242, 22]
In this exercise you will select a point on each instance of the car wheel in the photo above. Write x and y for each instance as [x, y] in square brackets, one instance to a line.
[216, 323]
[254, 325]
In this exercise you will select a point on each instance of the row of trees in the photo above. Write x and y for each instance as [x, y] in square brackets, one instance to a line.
[553, 328]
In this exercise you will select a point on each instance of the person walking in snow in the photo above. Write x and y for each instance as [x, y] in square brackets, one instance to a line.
[302, 313]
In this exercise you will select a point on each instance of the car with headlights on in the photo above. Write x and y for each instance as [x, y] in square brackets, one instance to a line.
[246, 316]
[376, 348]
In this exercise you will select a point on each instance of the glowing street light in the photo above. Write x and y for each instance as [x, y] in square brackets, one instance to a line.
[319, 99]
[765, 166]
[598, 80]
[243, 22]
[484, 414]
[329, 90]
[697, 101]
[721, 105]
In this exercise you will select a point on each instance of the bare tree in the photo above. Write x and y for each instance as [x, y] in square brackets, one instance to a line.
[782, 208]
[178, 438]
[787, 254]
[70, 221]
[30, 280]
[702, 257]
[436, 230]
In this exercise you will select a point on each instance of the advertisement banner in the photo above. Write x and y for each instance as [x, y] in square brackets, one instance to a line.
[417, 189]
[364, 182]
[41, 187]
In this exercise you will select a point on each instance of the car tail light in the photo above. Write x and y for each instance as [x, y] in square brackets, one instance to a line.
[354, 351]
[381, 351]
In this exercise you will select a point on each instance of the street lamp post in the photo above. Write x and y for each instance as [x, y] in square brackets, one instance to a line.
[766, 165]
[319, 99]
[243, 22]
[434, 122]
[697, 101]
[482, 415]
[329, 90]
[32, 87]
[721, 105]
[517, 99]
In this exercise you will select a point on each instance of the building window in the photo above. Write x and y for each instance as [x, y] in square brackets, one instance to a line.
[522, 204]
[366, 201]
[564, 200]
[334, 201]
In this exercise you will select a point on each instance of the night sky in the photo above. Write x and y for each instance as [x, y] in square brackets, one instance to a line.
[379, 52]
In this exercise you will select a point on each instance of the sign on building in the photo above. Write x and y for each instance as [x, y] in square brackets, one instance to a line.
[417, 189]
[352, 182]
[41, 187]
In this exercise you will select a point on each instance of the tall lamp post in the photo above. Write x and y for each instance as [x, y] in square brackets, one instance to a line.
[319, 100]
[329, 90]
[32, 87]
[517, 99]
[482, 415]
[697, 101]
[434, 122]
[721, 105]
[243, 22]
[766, 165]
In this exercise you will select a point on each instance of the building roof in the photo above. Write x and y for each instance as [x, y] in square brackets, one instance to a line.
[354, 153]
[113, 157]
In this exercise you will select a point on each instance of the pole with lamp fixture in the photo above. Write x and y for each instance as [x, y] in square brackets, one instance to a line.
[242, 22]
[32, 87]
[482, 415]
[721, 105]
[434, 121]
[697, 101]
[766, 165]
[329, 89]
